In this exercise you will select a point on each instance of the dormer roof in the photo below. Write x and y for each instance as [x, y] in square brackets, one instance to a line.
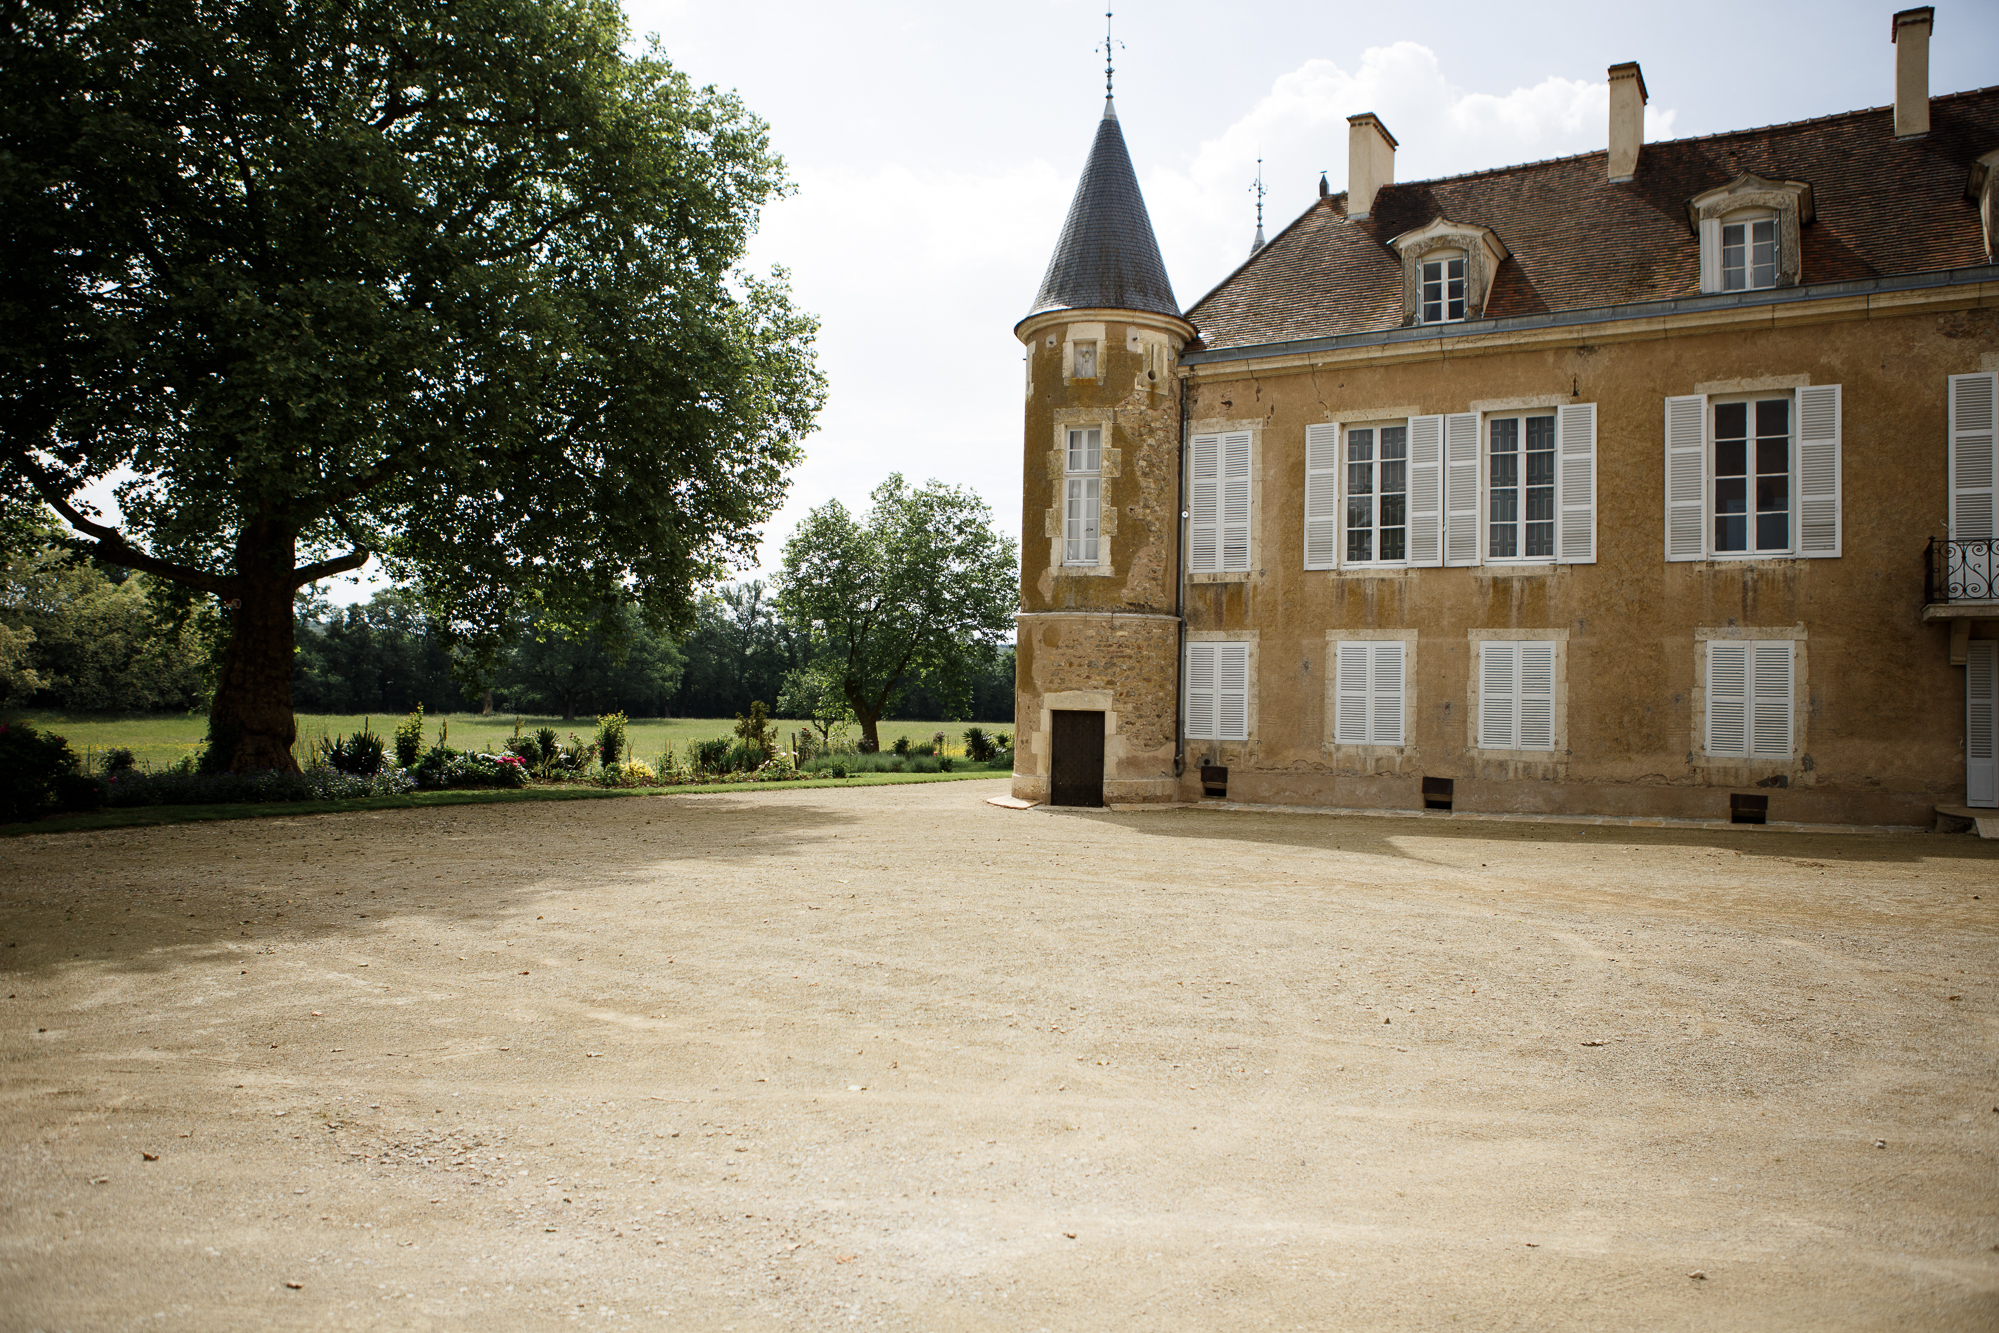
[1107, 257]
[1880, 207]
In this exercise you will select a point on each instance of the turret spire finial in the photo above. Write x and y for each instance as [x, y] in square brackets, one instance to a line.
[1108, 43]
[1257, 190]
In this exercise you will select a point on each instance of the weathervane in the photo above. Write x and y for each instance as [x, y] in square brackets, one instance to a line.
[1109, 42]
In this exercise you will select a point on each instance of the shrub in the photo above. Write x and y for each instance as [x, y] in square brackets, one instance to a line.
[944, 763]
[711, 756]
[1002, 760]
[610, 739]
[38, 773]
[550, 746]
[901, 745]
[756, 732]
[445, 767]
[780, 767]
[1002, 740]
[359, 755]
[409, 739]
[184, 785]
[631, 773]
[839, 769]
[978, 745]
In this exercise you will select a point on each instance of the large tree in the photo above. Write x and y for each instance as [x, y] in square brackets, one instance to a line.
[454, 284]
[917, 589]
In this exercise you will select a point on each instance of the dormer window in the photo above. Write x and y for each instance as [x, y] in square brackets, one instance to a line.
[1447, 271]
[1443, 299]
[1748, 251]
[1748, 233]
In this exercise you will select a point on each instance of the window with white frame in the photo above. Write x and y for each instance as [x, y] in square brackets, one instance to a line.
[1218, 492]
[1370, 678]
[1748, 259]
[1520, 487]
[1753, 474]
[1082, 500]
[1377, 493]
[1217, 705]
[1749, 697]
[1516, 694]
[1441, 298]
[1425, 491]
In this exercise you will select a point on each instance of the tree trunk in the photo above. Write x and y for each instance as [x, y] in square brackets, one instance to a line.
[871, 741]
[250, 724]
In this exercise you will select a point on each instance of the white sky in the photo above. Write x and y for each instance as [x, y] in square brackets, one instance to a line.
[936, 147]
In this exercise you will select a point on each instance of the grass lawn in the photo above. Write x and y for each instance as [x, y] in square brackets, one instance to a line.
[137, 816]
[162, 740]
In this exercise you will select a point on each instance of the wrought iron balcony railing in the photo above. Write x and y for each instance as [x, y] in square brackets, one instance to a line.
[1961, 571]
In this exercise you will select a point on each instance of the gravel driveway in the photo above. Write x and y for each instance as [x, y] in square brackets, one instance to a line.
[894, 1057]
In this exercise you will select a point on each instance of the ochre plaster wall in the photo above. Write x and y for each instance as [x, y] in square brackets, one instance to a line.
[1880, 719]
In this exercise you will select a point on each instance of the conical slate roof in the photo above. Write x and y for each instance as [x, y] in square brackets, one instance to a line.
[1107, 257]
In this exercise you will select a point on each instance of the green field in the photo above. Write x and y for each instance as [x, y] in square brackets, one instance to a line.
[158, 741]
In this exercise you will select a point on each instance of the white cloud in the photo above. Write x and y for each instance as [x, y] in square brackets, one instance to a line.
[1201, 209]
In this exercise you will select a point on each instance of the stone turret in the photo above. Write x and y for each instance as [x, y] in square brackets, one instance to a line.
[1099, 632]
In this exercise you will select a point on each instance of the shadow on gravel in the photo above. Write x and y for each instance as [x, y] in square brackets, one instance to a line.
[1387, 836]
[147, 899]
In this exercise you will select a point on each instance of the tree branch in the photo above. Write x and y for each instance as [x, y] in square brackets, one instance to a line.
[110, 545]
[326, 569]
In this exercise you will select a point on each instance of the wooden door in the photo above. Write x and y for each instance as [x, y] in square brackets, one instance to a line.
[1078, 761]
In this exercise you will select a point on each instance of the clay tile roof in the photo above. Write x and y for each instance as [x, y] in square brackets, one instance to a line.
[1107, 257]
[1883, 207]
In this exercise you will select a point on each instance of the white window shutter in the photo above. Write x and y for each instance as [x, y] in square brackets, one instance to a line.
[1498, 675]
[1770, 700]
[1974, 463]
[1686, 477]
[1535, 729]
[1322, 496]
[1818, 470]
[1204, 505]
[1200, 691]
[1387, 686]
[1981, 723]
[1710, 233]
[1426, 490]
[1351, 660]
[1235, 501]
[1575, 453]
[1461, 488]
[1728, 698]
[1231, 691]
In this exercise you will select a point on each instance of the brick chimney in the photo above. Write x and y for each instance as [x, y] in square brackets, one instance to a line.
[1627, 119]
[1911, 35]
[1370, 163]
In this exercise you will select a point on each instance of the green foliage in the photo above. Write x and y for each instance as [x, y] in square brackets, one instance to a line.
[619, 663]
[74, 638]
[978, 745]
[738, 650]
[38, 773]
[610, 738]
[457, 285]
[712, 756]
[409, 739]
[359, 754]
[384, 655]
[442, 766]
[918, 590]
[756, 732]
[816, 694]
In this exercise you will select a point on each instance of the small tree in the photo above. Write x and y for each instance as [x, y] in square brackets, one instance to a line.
[756, 731]
[917, 589]
[817, 695]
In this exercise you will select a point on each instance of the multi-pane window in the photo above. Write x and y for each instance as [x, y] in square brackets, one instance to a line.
[1752, 476]
[1377, 493]
[1748, 254]
[1520, 488]
[1082, 500]
[1443, 299]
[1749, 693]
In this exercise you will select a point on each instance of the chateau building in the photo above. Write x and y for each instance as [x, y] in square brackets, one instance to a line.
[1655, 481]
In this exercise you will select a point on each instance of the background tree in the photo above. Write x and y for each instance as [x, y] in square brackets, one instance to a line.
[385, 655]
[817, 695]
[739, 651]
[455, 285]
[631, 670]
[920, 589]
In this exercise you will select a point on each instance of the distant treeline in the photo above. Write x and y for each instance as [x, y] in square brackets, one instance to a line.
[386, 656]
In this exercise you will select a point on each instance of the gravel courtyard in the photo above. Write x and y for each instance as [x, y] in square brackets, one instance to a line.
[897, 1058]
